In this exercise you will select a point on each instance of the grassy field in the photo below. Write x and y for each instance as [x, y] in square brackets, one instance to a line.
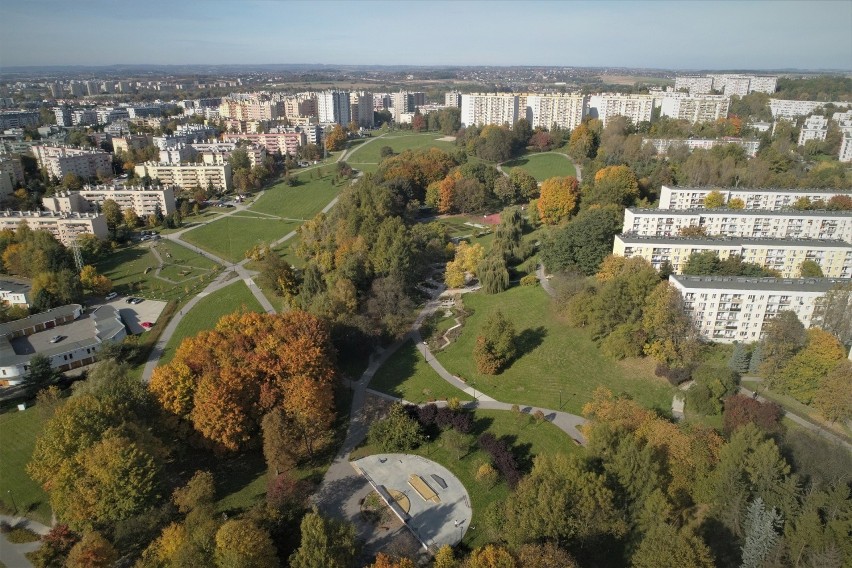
[556, 360]
[407, 375]
[458, 229]
[301, 201]
[229, 238]
[207, 312]
[18, 432]
[528, 440]
[132, 271]
[543, 166]
[399, 141]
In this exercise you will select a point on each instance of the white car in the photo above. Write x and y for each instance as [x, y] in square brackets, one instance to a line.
[110, 296]
[56, 339]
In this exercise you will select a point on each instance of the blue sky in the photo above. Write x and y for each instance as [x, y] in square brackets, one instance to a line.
[678, 35]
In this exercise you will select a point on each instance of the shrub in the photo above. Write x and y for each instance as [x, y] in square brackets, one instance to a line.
[741, 410]
[529, 280]
[674, 376]
[20, 535]
[502, 458]
[538, 416]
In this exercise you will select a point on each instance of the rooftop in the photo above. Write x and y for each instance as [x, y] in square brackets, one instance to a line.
[759, 190]
[734, 241]
[753, 212]
[14, 286]
[752, 283]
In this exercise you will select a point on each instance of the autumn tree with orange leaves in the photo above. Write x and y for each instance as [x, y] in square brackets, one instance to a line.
[224, 381]
[558, 199]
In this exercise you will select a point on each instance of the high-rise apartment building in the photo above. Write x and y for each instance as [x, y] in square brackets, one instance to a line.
[696, 85]
[637, 108]
[672, 197]
[695, 108]
[66, 227]
[814, 128]
[62, 160]
[544, 111]
[452, 99]
[333, 106]
[478, 109]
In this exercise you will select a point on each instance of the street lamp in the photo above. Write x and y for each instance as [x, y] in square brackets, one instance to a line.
[12, 497]
[473, 386]
[560, 399]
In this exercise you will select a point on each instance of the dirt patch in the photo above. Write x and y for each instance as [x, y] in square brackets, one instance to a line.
[446, 139]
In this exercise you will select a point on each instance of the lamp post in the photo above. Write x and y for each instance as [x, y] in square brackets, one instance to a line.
[473, 386]
[12, 497]
[560, 399]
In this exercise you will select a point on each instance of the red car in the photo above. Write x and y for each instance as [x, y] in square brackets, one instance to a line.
[147, 324]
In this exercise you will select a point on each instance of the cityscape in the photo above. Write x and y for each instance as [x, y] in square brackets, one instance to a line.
[387, 299]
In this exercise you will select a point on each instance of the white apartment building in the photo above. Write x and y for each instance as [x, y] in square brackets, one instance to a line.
[361, 104]
[131, 141]
[769, 199]
[11, 174]
[64, 226]
[696, 85]
[188, 176]
[638, 108]
[734, 308]
[333, 106]
[62, 160]
[814, 128]
[790, 110]
[696, 108]
[741, 223]
[543, 111]
[784, 255]
[741, 85]
[480, 109]
[452, 99]
[664, 145]
[846, 148]
[143, 200]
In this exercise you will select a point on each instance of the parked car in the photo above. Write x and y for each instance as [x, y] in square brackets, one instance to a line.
[110, 296]
[147, 324]
[56, 338]
[137, 300]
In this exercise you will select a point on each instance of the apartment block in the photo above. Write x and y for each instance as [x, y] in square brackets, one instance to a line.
[281, 142]
[143, 200]
[741, 85]
[696, 85]
[544, 111]
[784, 255]
[638, 108]
[770, 199]
[741, 223]
[63, 115]
[361, 107]
[790, 110]
[728, 308]
[11, 174]
[62, 160]
[18, 118]
[480, 109]
[814, 128]
[258, 108]
[697, 108]
[302, 104]
[452, 99]
[663, 145]
[187, 176]
[846, 148]
[333, 107]
[132, 141]
[64, 226]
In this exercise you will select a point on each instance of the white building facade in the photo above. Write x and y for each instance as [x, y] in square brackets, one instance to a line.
[771, 199]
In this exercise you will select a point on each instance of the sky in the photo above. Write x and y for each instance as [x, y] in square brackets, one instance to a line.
[666, 35]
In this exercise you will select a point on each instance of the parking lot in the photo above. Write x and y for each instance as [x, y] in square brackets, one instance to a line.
[134, 314]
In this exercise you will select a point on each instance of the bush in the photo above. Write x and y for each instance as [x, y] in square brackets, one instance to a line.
[502, 457]
[674, 376]
[741, 410]
[529, 280]
[396, 433]
[20, 535]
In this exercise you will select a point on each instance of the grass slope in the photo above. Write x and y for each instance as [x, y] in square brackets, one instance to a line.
[230, 237]
[207, 312]
[543, 166]
[371, 153]
[407, 375]
[302, 201]
[18, 432]
[555, 358]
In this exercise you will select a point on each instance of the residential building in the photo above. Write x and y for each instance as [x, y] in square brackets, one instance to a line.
[62, 160]
[791, 110]
[302, 104]
[479, 109]
[735, 308]
[333, 106]
[405, 102]
[188, 176]
[11, 174]
[452, 99]
[784, 255]
[814, 128]
[694, 84]
[637, 108]
[695, 108]
[18, 119]
[107, 115]
[64, 226]
[544, 111]
[672, 197]
[15, 292]
[663, 145]
[381, 101]
[741, 223]
[143, 200]
[131, 141]
[93, 88]
[741, 85]
[146, 111]
[84, 117]
[846, 148]
[63, 115]
[254, 108]
[283, 142]
[361, 104]
[84, 335]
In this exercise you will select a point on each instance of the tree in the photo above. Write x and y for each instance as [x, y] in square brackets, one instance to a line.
[336, 139]
[835, 312]
[544, 555]
[445, 558]
[97, 283]
[810, 269]
[672, 338]
[761, 527]
[736, 203]
[497, 143]
[456, 442]
[614, 185]
[55, 546]
[385, 561]
[493, 274]
[418, 123]
[93, 551]
[802, 375]
[583, 243]
[740, 358]
[199, 491]
[325, 543]
[39, 375]
[783, 336]
[714, 200]
[834, 397]
[664, 546]
[583, 143]
[487, 475]
[741, 410]
[240, 543]
[526, 184]
[398, 432]
[112, 214]
[558, 199]
[496, 345]
[72, 182]
[277, 450]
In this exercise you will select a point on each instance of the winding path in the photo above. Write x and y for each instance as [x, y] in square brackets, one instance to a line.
[13, 555]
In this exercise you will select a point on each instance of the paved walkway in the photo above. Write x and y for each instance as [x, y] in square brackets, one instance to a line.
[13, 555]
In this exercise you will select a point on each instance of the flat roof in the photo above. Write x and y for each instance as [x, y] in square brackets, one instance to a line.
[752, 283]
[753, 212]
[14, 286]
[720, 241]
[757, 190]
[40, 318]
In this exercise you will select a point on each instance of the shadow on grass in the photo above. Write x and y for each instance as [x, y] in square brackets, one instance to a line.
[516, 162]
[114, 261]
[529, 339]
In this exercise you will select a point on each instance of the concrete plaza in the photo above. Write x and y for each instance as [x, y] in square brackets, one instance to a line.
[435, 522]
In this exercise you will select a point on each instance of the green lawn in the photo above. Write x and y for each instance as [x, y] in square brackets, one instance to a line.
[458, 229]
[407, 375]
[18, 432]
[230, 237]
[543, 166]
[133, 271]
[528, 440]
[555, 358]
[371, 153]
[207, 312]
[301, 201]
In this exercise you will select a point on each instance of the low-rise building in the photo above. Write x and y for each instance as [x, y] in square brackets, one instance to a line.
[143, 200]
[735, 308]
[784, 255]
[188, 176]
[15, 292]
[66, 227]
[664, 145]
[62, 160]
[81, 337]
[741, 223]
[673, 197]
